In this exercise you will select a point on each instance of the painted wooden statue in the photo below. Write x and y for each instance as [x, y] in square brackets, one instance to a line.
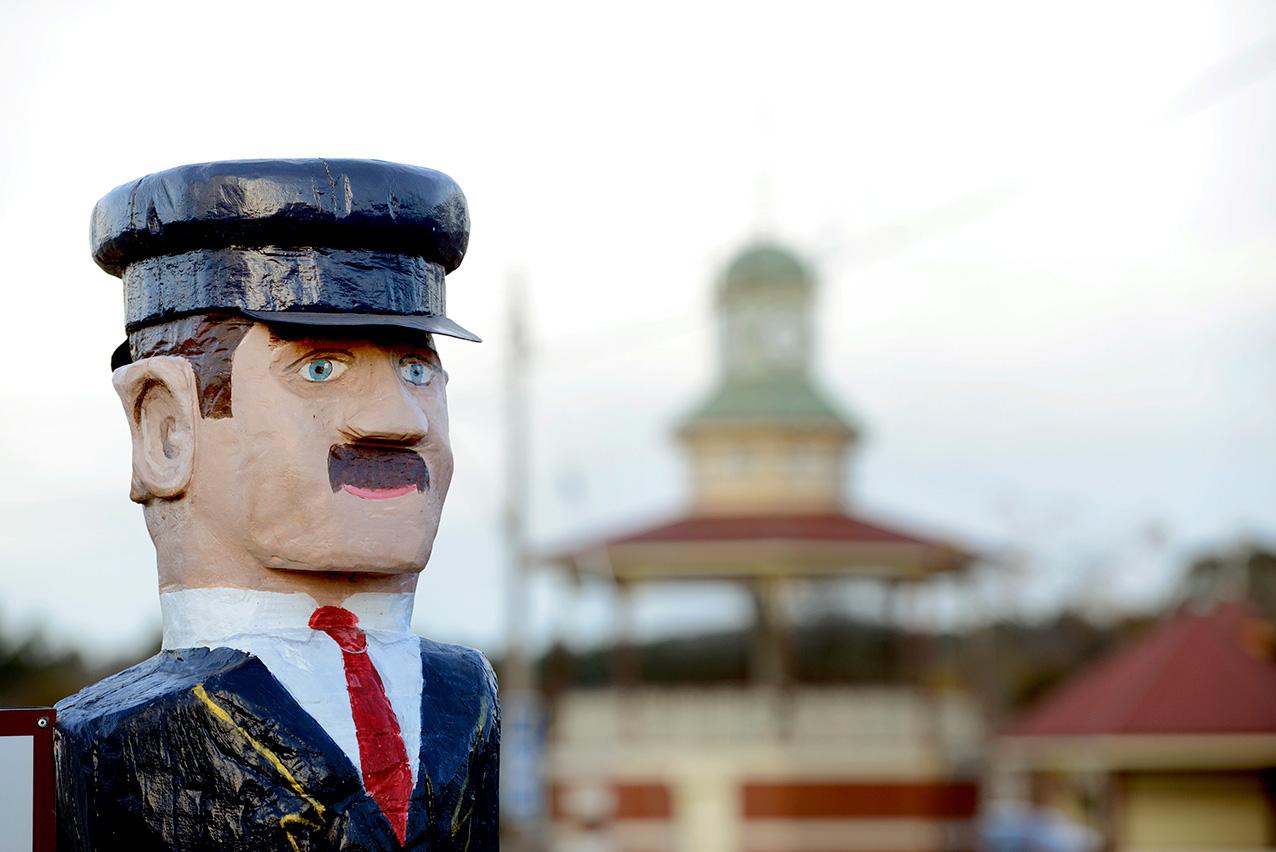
[288, 413]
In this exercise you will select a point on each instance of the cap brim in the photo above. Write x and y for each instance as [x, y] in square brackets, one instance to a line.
[121, 356]
[417, 322]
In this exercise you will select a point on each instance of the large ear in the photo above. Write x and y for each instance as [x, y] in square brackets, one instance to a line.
[162, 404]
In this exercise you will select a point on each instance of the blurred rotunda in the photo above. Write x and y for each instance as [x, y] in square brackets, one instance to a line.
[775, 762]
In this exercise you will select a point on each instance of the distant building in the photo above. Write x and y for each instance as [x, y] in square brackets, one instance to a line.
[1168, 744]
[774, 765]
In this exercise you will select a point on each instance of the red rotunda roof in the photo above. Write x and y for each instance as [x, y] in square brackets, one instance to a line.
[817, 543]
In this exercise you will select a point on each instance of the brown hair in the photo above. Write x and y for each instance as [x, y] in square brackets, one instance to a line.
[208, 341]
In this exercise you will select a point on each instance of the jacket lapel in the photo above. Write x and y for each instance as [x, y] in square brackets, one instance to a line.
[319, 792]
[454, 709]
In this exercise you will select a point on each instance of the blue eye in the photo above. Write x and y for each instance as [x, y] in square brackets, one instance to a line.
[321, 369]
[415, 371]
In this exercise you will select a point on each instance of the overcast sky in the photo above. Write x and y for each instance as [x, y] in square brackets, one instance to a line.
[1043, 235]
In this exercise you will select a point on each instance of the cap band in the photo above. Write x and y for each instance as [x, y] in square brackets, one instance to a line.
[280, 279]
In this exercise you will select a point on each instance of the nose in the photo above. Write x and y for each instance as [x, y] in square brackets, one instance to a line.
[386, 413]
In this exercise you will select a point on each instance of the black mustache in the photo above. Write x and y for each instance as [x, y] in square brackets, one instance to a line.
[372, 466]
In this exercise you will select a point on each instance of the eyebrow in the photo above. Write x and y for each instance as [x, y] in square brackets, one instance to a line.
[396, 337]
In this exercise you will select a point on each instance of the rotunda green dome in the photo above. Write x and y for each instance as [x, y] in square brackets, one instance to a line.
[763, 266]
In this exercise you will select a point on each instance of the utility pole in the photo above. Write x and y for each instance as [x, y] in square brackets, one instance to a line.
[522, 792]
[517, 675]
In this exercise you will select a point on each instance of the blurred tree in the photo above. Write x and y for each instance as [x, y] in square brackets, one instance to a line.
[35, 674]
[1243, 572]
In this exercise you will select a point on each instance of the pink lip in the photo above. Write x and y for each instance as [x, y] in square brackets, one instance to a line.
[378, 493]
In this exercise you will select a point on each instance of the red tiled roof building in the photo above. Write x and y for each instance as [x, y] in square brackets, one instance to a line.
[1173, 737]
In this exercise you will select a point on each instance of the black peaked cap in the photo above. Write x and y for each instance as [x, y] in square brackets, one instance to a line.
[317, 241]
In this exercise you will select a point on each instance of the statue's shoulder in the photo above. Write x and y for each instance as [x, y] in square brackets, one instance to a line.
[163, 679]
[462, 673]
[457, 661]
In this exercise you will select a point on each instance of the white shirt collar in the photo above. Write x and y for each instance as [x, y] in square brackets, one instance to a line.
[211, 618]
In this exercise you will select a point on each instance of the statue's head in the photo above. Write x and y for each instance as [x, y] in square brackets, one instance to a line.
[286, 402]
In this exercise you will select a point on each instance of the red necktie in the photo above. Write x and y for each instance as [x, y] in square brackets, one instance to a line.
[387, 775]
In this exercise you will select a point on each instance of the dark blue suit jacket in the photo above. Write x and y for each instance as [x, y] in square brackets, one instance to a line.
[203, 749]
